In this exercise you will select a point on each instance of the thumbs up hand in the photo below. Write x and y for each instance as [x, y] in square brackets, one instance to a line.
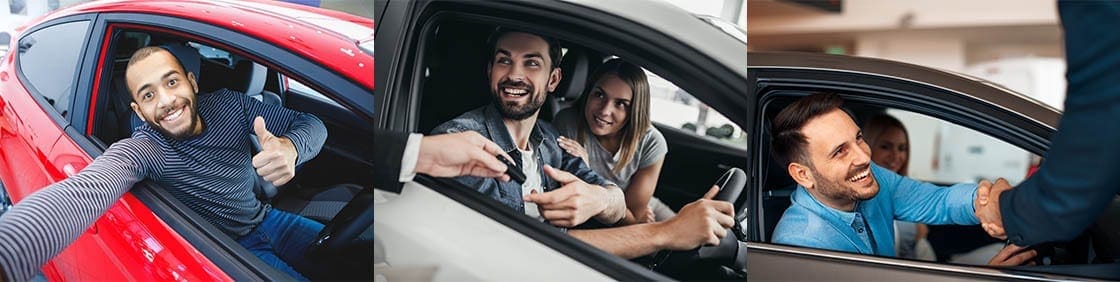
[276, 161]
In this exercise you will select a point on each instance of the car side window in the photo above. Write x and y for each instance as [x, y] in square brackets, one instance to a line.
[298, 88]
[48, 58]
[944, 152]
[676, 108]
[931, 150]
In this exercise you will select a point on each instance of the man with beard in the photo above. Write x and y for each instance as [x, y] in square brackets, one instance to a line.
[522, 69]
[843, 201]
[196, 146]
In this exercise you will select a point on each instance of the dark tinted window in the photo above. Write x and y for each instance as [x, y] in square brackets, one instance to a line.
[48, 58]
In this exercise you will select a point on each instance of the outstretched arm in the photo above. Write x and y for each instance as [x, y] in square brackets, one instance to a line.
[927, 203]
[43, 224]
[1078, 178]
[703, 222]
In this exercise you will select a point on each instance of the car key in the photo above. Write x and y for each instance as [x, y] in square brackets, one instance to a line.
[514, 172]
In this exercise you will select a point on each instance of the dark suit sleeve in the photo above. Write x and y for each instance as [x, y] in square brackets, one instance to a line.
[1079, 176]
[388, 149]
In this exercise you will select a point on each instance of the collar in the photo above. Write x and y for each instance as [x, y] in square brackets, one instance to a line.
[497, 131]
[839, 220]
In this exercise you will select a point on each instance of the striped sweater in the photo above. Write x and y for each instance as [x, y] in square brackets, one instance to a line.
[212, 173]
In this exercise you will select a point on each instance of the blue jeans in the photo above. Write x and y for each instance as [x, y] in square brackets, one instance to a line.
[281, 241]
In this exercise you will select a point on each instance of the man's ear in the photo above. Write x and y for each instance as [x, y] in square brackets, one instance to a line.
[802, 174]
[554, 79]
[136, 109]
[194, 82]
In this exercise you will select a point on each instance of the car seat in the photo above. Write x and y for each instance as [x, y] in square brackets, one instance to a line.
[575, 69]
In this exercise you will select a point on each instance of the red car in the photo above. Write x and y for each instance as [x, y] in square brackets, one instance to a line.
[63, 101]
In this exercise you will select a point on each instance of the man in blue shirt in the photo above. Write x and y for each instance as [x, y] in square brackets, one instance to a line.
[845, 202]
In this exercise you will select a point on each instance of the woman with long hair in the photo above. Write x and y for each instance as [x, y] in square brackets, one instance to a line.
[609, 127]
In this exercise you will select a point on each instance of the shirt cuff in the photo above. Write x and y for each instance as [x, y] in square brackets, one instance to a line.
[410, 157]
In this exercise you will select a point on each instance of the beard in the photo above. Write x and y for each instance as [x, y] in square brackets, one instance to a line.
[514, 111]
[842, 189]
[189, 132]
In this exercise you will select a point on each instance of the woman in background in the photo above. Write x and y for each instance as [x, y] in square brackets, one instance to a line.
[609, 128]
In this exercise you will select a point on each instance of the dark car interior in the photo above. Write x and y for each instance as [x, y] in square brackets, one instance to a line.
[1096, 246]
[322, 188]
[455, 82]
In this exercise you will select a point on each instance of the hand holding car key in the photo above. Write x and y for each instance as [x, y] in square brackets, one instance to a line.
[513, 170]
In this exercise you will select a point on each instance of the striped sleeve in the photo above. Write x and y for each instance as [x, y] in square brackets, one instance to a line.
[44, 223]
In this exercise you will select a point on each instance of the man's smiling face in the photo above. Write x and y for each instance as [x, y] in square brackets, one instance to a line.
[163, 94]
[521, 74]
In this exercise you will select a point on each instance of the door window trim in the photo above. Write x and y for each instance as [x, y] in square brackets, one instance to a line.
[79, 82]
[203, 236]
[405, 104]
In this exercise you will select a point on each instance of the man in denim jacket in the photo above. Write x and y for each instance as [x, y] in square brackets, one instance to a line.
[523, 69]
[603, 197]
[559, 187]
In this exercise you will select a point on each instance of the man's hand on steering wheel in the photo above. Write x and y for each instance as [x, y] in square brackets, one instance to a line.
[703, 222]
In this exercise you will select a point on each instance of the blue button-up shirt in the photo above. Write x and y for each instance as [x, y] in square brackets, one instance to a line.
[809, 223]
[487, 121]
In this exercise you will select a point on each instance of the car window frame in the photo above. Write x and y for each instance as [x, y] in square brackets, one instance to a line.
[889, 92]
[221, 250]
[402, 86]
[80, 80]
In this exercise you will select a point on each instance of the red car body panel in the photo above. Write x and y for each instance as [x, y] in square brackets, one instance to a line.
[130, 242]
[301, 37]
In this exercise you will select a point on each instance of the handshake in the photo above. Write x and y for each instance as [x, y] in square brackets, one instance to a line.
[987, 210]
[987, 207]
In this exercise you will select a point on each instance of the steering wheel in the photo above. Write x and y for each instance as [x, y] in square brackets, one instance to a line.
[731, 185]
[726, 260]
[341, 234]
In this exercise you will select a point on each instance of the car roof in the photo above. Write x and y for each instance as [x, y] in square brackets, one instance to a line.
[987, 91]
[328, 37]
[677, 23]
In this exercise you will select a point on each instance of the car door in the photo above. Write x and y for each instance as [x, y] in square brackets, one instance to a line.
[157, 226]
[39, 90]
[707, 69]
[779, 78]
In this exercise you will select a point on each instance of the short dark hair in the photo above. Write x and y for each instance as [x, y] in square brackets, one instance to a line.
[786, 141]
[554, 48]
[142, 53]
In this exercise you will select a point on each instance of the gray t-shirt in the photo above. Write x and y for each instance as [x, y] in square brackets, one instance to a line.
[651, 149]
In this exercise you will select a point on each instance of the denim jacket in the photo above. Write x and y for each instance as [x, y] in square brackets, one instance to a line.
[487, 121]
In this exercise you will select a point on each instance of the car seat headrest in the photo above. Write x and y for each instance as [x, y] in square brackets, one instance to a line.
[188, 57]
[575, 68]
